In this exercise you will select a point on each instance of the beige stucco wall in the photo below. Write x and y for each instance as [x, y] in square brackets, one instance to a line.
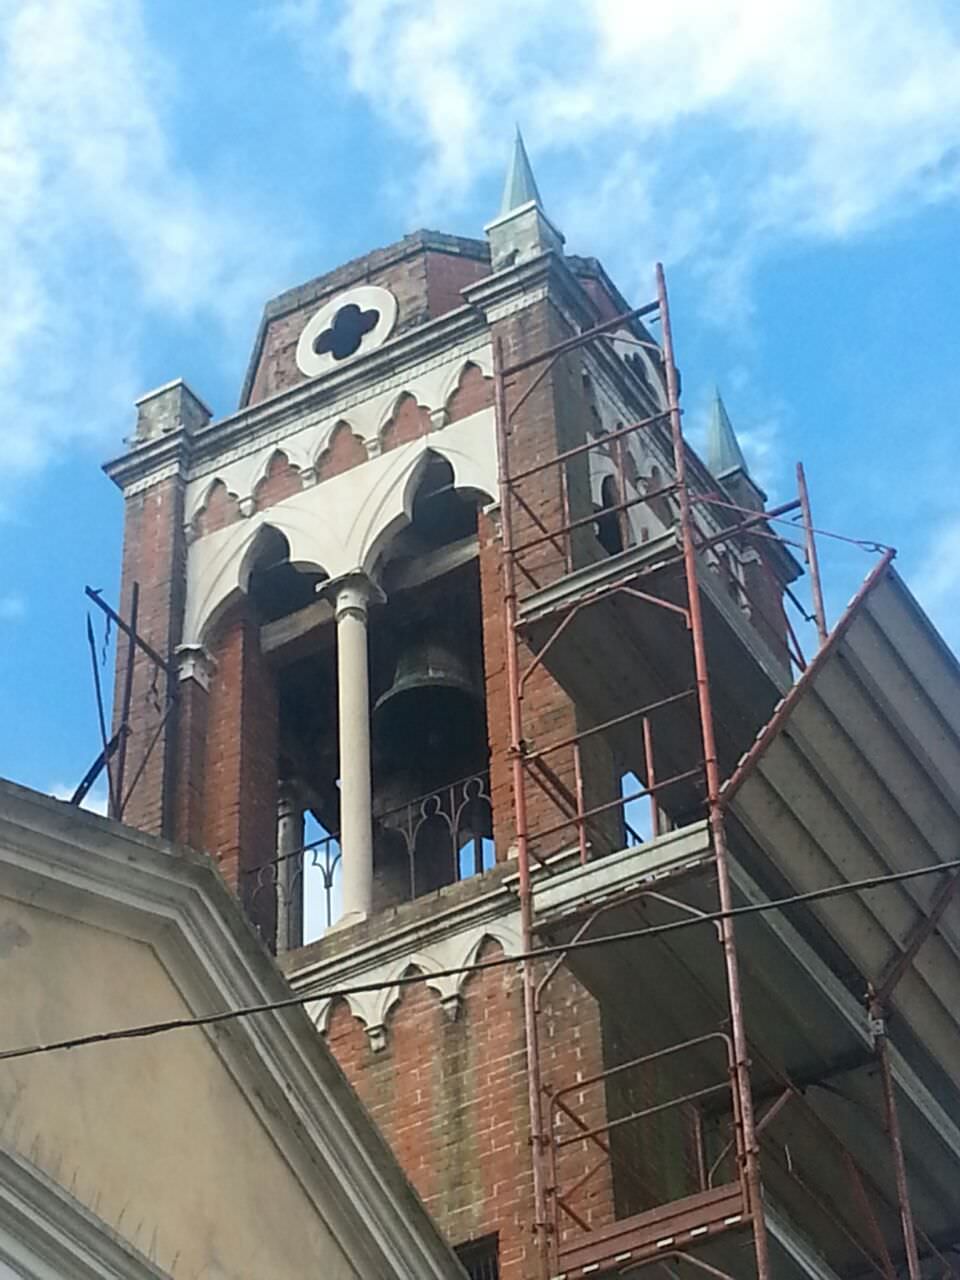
[153, 1134]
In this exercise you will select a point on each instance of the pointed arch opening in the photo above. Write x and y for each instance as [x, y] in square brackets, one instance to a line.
[274, 585]
[473, 392]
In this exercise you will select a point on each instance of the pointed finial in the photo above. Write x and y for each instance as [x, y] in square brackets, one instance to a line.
[723, 448]
[520, 186]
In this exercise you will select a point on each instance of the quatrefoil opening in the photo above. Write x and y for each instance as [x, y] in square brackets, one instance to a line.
[350, 326]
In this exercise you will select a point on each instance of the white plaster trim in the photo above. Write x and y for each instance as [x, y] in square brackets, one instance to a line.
[365, 296]
[450, 951]
[366, 412]
[196, 663]
[342, 525]
[153, 478]
[500, 310]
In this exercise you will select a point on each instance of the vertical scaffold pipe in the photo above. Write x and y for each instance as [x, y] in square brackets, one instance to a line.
[878, 1017]
[538, 1138]
[727, 936]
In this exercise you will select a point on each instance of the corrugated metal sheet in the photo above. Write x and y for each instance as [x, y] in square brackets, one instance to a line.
[861, 777]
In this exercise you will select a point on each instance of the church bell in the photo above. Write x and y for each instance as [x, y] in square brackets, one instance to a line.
[430, 720]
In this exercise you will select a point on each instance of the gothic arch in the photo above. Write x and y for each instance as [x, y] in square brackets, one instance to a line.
[278, 478]
[406, 421]
[209, 499]
[342, 450]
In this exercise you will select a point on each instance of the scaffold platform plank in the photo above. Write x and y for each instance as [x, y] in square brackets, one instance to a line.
[682, 1224]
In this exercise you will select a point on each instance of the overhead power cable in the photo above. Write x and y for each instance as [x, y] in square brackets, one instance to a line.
[496, 962]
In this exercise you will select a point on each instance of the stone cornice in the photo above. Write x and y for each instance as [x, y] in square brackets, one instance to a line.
[342, 957]
[107, 874]
[150, 463]
[330, 396]
[319, 398]
[436, 935]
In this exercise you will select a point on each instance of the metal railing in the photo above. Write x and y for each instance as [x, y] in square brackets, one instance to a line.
[420, 845]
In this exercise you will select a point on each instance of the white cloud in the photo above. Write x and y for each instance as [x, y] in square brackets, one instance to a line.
[12, 607]
[95, 801]
[99, 224]
[702, 126]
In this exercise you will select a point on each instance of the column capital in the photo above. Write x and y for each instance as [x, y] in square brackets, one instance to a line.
[352, 593]
[195, 662]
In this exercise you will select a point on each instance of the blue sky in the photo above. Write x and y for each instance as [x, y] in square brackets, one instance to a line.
[166, 167]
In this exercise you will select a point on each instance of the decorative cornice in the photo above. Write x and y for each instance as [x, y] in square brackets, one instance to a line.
[269, 422]
[148, 464]
[435, 934]
[546, 276]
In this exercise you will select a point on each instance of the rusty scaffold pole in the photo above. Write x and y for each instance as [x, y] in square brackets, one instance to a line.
[538, 1139]
[744, 1097]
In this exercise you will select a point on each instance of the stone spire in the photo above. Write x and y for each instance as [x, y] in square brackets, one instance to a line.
[724, 454]
[521, 230]
[521, 186]
[726, 462]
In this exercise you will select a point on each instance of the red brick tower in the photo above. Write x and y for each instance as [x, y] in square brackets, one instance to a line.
[322, 571]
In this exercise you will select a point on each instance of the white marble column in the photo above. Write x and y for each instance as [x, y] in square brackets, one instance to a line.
[353, 596]
[289, 869]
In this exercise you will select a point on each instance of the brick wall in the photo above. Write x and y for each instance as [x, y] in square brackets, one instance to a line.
[447, 274]
[219, 509]
[282, 480]
[344, 451]
[410, 421]
[474, 392]
[190, 763]
[550, 420]
[154, 555]
[451, 1098]
[425, 281]
[240, 761]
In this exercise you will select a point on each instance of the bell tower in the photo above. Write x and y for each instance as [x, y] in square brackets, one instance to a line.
[322, 573]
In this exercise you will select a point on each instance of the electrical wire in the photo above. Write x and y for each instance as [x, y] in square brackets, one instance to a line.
[496, 962]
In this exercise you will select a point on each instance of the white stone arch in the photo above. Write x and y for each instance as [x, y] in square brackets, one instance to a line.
[223, 577]
[390, 505]
[454, 372]
[291, 450]
[392, 402]
[323, 439]
[201, 497]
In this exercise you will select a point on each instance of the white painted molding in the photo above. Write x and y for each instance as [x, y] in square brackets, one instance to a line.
[305, 438]
[196, 663]
[451, 950]
[367, 297]
[45, 1234]
[340, 526]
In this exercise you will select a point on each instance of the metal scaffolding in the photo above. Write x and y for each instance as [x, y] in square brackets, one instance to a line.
[527, 531]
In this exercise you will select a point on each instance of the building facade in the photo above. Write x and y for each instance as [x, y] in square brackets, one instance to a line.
[441, 447]
[229, 1151]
